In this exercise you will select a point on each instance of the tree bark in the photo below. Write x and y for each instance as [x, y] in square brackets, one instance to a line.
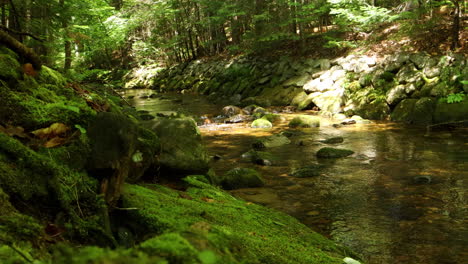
[28, 54]
[456, 25]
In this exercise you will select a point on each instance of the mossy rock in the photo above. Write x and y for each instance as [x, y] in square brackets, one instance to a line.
[445, 112]
[304, 121]
[241, 178]
[415, 111]
[201, 226]
[334, 153]
[259, 157]
[375, 110]
[50, 76]
[308, 171]
[261, 123]
[9, 68]
[333, 140]
[273, 118]
[182, 150]
[271, 142]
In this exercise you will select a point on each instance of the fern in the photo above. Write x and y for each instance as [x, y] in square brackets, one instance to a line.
[455, 98]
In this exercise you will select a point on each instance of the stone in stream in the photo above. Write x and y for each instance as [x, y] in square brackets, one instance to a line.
[241, 178]
[231, 110]
[271, 141]
[333, 140]
[307, 171]
[146, 117]
[259, 157]
[304, 121]
[261, 123]
[333, 153]
[237, 119]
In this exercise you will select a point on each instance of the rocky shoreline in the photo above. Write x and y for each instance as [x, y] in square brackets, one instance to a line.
[412, 88]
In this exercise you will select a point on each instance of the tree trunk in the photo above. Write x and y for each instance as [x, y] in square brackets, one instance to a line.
[456, 25]
[25, 52]
[67, 44]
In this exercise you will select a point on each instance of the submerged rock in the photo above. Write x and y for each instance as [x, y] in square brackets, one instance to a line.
[333, 140]
[241, 178]
[307, 171]
[334, 153]
[271, 141]
[259, 157]
[237, 119]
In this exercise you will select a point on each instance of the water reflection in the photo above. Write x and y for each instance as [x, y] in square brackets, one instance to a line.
[401, 198]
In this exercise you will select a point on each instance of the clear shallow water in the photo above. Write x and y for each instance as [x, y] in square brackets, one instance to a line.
[371, 201]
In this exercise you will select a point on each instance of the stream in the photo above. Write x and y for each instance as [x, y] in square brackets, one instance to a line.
[401, 198]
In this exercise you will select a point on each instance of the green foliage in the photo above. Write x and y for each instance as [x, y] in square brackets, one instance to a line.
[455, 98]
[358, 15]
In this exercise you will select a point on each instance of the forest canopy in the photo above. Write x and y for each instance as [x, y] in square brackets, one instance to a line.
[123, 33]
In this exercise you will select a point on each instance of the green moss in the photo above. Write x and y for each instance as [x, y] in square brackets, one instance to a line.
[47, 75]
[210, 220]
[172, 246]
[241, 178]
[261, 123]
[304, 121]
[9, 68]
[333, 153]
[272, 117]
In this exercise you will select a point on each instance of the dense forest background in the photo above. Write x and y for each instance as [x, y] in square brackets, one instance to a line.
[110, 34]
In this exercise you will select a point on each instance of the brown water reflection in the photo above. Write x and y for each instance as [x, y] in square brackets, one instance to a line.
[377, 201]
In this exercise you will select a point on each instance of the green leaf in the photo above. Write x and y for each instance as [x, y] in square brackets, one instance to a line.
[81, 129]
[207, 257]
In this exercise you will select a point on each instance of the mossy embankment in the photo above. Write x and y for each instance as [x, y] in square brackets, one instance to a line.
[66, 153]
[373, 86]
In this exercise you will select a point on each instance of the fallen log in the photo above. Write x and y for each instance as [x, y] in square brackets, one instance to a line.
[28, 54]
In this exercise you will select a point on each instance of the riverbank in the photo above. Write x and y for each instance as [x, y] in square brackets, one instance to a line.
[416, 88]
[75, 162]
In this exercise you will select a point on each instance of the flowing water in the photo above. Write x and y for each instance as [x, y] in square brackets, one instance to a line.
[401, 198]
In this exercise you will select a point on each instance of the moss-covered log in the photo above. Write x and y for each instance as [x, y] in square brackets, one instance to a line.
[21, 49]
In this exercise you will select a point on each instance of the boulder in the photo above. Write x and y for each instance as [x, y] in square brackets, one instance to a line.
[409, 74]
[298, 81]
[325, 64]
[318, 85]
[445, 112]
[420, 59]
[415, 111]
[375, 110]
[259, 157]
[396, 94]
[393, 63]
[261, 123]
[241, 178]
[304, 121]
[299, 98]
[181, 145]
[231, 110]
[329, 101]
[271, 141]
[333, 153]
[120, 146]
